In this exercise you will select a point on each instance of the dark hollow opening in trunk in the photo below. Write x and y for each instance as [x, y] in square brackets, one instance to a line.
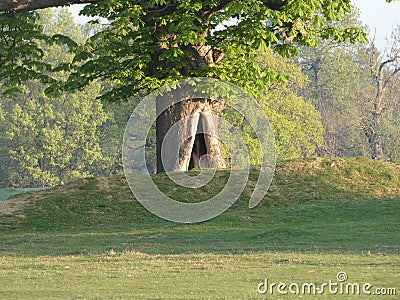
[198, 150]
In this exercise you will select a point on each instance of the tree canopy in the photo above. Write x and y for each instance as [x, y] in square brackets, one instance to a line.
[149, 43]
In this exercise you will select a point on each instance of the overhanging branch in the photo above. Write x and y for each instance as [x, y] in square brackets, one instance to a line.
[29, 5]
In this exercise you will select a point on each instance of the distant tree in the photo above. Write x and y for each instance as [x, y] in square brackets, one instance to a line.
[390, 126]
[112, 131]
[384, 69]
[52, 140]
[339, 87]
[354, 88]
[339, 90]
[296, 123]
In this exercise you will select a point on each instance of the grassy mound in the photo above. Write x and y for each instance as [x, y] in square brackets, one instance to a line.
[108, 201]
[339, 178]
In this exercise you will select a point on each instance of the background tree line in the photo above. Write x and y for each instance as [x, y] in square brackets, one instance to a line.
[46, 140]
[356, 89]
[332, 100]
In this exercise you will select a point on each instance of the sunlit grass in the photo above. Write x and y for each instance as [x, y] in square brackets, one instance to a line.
[134, 275]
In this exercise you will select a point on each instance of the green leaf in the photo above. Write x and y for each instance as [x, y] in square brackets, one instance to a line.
[259, 44]
[62, 39]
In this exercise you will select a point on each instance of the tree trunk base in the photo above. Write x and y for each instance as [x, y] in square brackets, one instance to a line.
[187, 136]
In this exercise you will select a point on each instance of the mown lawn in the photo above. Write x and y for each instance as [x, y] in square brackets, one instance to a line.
[225, 258]
[134, 275]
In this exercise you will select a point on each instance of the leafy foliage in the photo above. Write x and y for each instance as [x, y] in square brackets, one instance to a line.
[339, 89]
[150, 43]
[344, 87]
[53, 140]
[48, 141]
[20, 53]
[296, 123]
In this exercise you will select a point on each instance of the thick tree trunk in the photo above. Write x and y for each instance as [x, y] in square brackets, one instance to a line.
[29, 5]
[195, 141]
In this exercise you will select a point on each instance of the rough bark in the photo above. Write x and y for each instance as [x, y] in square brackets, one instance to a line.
[29, 5]
[192, 118]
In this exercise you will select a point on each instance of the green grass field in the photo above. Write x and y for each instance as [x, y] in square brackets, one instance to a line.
[92, 240]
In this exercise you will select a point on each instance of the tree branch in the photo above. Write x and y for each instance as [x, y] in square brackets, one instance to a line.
[29, 5]
[383, 64]
[208, 13]
[389, 79]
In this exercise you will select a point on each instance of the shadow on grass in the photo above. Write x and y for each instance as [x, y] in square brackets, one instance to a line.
[337, 226]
